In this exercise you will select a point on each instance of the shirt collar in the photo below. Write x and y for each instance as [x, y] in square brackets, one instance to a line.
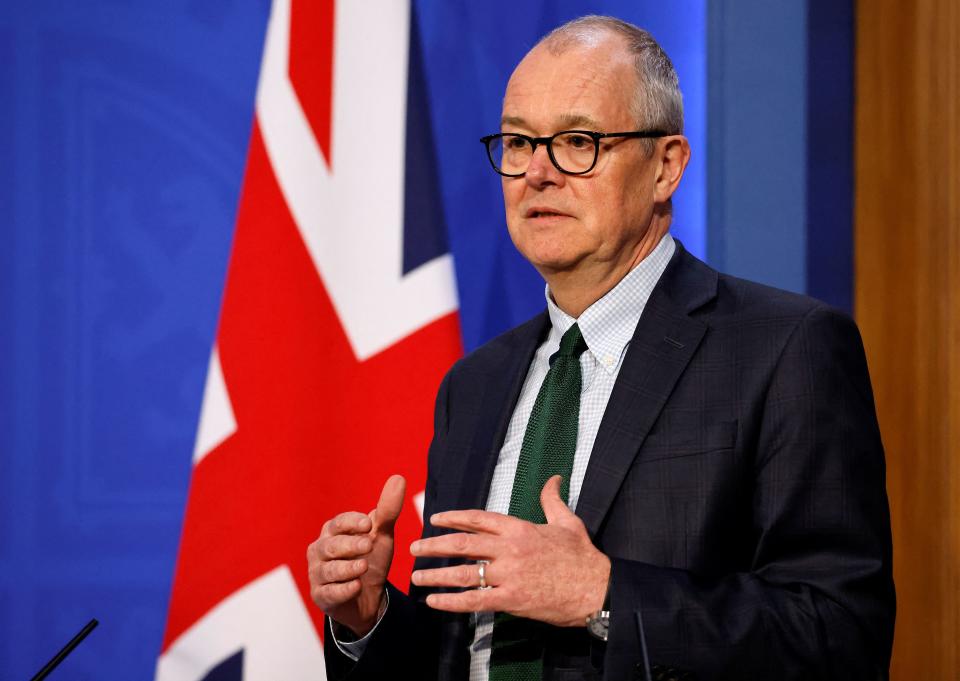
[608, 324]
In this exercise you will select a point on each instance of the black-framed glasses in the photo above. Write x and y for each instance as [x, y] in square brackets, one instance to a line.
[573, 152]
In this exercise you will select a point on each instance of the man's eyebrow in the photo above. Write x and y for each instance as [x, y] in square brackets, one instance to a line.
[579, 120]
[565, 121]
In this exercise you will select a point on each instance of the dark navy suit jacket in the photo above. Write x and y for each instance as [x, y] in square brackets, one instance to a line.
[736, 483]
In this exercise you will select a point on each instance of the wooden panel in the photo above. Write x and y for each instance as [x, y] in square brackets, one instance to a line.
[907, 301]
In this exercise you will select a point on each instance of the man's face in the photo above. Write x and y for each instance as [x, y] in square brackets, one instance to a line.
[567, 223]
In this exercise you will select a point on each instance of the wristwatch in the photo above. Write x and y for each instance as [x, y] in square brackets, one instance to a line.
[598, 624]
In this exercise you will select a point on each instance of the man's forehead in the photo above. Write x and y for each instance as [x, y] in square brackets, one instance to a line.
[584, 63]
[608, 52]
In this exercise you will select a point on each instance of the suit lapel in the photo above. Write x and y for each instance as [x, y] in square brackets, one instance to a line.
[662, 346]
[502, 380]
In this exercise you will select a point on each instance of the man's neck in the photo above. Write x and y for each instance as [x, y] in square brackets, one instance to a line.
[575, 290]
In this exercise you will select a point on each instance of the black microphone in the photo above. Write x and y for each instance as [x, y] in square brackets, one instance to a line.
[66, 650]
[643, 646]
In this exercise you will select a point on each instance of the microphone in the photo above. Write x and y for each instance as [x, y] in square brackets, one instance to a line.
[66, 650]
[643, 646]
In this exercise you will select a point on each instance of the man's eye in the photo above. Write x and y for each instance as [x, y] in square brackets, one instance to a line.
[577, 141]
[514, 143]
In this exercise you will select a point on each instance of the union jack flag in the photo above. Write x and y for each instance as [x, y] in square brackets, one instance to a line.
[339, 318]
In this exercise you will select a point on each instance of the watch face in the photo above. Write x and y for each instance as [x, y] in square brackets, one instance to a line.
[598, 624]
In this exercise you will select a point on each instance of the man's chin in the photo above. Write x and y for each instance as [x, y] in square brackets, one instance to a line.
[549, 248]
[551, 265]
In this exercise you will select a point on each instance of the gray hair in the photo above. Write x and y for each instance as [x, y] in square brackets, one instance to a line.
[658, 103]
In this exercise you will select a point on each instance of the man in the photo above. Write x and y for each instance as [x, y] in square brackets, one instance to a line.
[716, 438]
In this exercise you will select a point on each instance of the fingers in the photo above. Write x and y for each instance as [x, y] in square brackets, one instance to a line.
[466, 576]
[474, 600]
[463, 545]
[388, 508]
[329, 596]
[554, 508]
[475, 521]
[350, 522]
[344, 546]
[334, 582]
[343, 537]
[335, 571]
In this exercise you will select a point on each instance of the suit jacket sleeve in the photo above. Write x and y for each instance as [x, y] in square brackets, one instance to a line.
[817, 601]
[404, 644]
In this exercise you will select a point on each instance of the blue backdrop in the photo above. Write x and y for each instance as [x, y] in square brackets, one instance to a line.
[123, 139]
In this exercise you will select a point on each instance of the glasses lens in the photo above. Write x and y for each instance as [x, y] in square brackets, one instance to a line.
[574, 151]
[510, 153]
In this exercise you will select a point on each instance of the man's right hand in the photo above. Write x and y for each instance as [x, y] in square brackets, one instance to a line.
[349, 562]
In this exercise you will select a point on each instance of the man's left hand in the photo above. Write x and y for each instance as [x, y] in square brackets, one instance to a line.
[552, 573]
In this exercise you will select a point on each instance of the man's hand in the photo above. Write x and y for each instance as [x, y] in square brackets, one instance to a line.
[349, 562]
[552, 573]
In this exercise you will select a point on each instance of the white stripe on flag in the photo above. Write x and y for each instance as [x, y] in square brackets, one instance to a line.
[217, 421]
[267, 620]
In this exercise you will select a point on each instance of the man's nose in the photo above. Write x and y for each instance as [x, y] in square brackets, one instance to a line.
[541, 170]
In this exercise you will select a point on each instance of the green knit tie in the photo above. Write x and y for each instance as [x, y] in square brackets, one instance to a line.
[548, 448]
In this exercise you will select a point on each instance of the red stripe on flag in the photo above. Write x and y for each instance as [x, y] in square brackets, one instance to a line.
[311, 65]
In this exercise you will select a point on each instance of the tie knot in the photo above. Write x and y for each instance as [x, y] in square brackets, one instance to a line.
[572, 343]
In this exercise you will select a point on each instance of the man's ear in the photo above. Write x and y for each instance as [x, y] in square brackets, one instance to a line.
[674, 155]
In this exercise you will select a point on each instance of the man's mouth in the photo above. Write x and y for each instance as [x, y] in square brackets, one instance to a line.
[545, 213]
